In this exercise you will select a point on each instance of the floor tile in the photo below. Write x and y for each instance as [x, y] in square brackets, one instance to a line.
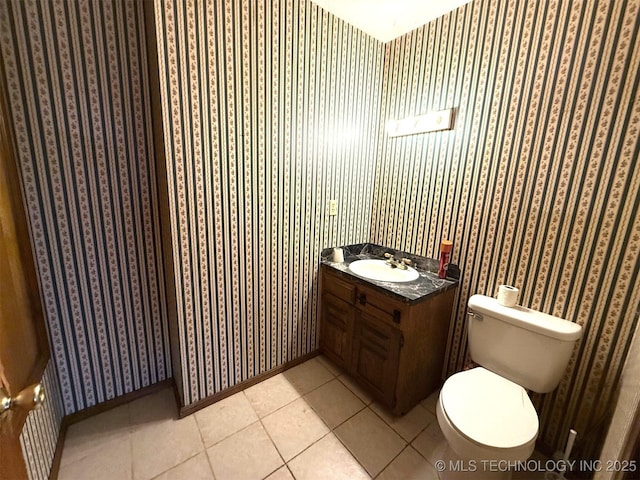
[271, 394]
[196, 468]
[246, 455]
[334, 403]
[329, 365]
[352, 385]
[282, 473]
[294, 427]
[409, 465]
[250, 435]
[89, 436]
[308, 376]
[408, 425]
[430, 402]
[162, 445]
[431, 443]
[112, 460]
[154, 408]
[224, 418]
[327, 459]
[372, 442]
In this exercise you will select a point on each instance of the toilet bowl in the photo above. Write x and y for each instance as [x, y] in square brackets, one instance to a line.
[485, 413]
[484, 416]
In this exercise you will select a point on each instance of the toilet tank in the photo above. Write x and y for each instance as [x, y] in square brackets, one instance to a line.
[527, 347]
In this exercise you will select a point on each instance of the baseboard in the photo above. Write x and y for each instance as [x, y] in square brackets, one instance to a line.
[57, 456]
[216, 397]
[76, 417]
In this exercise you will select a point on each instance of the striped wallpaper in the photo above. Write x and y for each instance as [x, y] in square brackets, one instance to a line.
[40, 433]
[537, 185]
[270, 109]
[77, 79]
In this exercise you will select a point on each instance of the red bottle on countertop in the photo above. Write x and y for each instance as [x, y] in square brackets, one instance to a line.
[445, 254]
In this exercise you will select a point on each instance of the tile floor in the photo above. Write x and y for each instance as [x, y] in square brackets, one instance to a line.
[310, 422]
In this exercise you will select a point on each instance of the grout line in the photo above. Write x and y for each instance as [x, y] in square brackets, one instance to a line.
[274, 446]
[396, 431]
[420, 453]
[312, 443]
[309, 446]
[371, 399]
[277, 409]
[288, 468]
[352, 455]
[232, 434]
[345, 420]
[408, 445]
[195, 419]
[173, 421]
[181, 463]
[213, 474]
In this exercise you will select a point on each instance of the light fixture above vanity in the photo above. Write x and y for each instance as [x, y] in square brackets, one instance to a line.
[429, 122]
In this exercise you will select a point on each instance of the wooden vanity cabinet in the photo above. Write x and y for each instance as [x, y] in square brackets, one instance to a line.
[394, 349]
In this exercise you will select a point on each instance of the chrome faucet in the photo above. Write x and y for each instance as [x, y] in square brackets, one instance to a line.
[394, 263]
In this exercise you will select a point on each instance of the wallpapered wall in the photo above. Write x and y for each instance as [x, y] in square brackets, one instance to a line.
[272, 108]
[538, 184]
[269, 110]
[78, 90]
[39, 436]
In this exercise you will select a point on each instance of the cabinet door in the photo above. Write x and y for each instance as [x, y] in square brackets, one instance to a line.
[336, 329]
[376, 349]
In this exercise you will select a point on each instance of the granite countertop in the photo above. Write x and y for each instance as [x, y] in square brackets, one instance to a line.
[425, 286]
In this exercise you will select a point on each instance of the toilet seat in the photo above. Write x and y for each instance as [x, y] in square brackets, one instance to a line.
[489, 410]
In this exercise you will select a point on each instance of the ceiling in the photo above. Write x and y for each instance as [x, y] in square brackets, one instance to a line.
[388, 19]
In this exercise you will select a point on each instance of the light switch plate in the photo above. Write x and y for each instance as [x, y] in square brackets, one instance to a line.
[333, 207]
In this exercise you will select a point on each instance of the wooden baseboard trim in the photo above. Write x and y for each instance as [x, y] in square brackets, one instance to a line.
[116, 402]
[216, 397]
[57, 456]
[76, 417]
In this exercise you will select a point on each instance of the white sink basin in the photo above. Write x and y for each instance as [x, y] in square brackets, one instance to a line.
[381, 271]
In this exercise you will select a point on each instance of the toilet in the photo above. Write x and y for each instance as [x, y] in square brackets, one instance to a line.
[485, 413]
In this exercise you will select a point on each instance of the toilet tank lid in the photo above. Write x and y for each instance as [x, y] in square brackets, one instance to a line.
[533, 320]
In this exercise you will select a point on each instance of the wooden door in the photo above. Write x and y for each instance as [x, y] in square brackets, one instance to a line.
[23, 344]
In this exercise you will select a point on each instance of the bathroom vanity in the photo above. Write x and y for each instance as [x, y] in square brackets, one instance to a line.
[391, 337]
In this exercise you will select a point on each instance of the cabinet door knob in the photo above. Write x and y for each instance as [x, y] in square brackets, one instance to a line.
[396, 316]
[363, 299]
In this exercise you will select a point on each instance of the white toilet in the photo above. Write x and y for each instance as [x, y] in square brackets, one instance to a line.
[485, 413]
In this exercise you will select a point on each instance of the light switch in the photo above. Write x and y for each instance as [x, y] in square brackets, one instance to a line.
[333, 207]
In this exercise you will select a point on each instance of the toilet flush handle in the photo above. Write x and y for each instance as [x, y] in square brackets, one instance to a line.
[475, 315]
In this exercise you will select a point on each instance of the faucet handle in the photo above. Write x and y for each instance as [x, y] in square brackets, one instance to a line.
[391, 261]
[402, 264]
